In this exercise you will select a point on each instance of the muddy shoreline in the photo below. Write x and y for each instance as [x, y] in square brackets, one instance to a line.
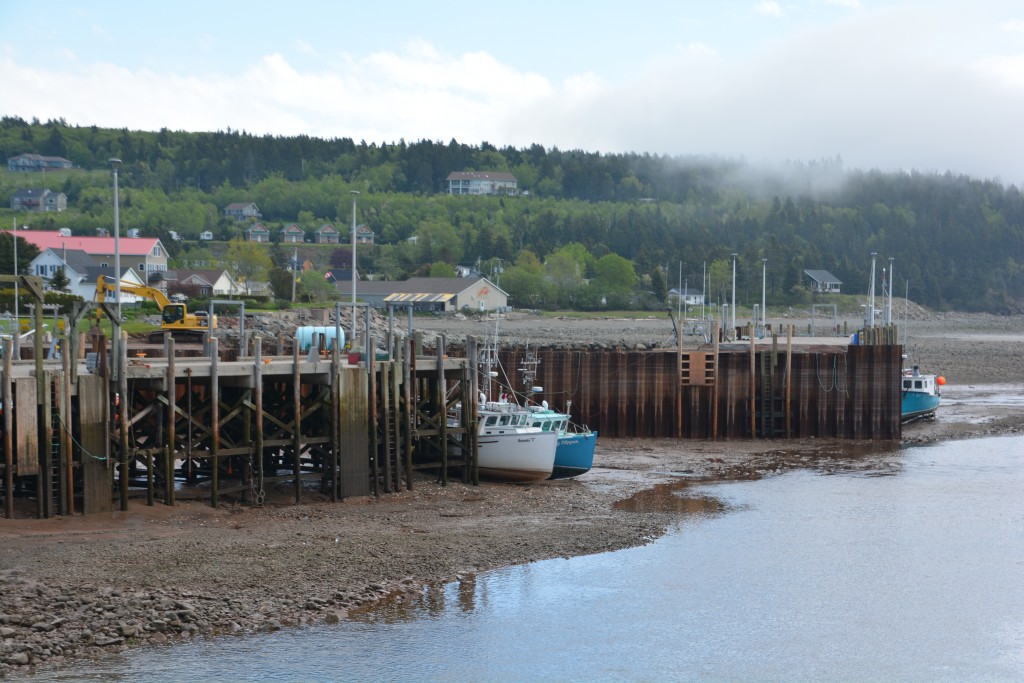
[83, 587]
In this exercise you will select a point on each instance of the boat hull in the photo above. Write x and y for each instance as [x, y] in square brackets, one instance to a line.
[574, 455]
[916, 405]
[518, 458]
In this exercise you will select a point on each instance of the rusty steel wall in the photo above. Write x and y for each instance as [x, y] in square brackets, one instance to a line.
[835, 392]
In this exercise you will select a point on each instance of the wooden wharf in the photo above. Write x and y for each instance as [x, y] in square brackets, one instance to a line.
[159, 427]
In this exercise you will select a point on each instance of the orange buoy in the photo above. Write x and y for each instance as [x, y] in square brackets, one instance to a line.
[940, 380]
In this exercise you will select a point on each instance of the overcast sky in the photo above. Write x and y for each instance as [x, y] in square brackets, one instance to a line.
[928, 86]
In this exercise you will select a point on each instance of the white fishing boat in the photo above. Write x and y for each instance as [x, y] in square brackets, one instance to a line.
[510, 449]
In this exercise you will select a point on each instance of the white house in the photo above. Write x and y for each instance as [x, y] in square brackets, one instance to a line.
[481, 182]
[209, 282]
[81, 272]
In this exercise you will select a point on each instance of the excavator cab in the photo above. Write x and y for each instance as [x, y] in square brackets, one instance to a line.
[173, 313]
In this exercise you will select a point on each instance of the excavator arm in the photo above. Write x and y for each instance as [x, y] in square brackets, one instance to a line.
[105, 286]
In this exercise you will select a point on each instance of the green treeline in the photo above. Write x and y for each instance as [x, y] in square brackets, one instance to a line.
[588, 230]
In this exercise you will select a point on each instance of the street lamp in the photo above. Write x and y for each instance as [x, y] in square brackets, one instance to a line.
[355, 195]
[733, 294]
[16, 348]
[764, 287]
[115, 162]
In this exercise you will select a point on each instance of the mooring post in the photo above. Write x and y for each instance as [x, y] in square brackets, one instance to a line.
[334, 463]
[406, 414]
[714, 387]
[753, 387]
[471, 407]
[440, 404]
[64, 415]
[257, 375]
[371, 418]
[8, 432]
[172, 409]
[297, 416]
[214, 415]
[122, 414]
[789, 375]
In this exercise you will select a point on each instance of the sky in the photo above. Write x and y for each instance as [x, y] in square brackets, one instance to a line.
[929, 86]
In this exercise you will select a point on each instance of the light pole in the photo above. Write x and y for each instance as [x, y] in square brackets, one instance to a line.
[355, 195]
[115, 162]
[764, 287]
[870, 321]
[16, 347]
[733, 294]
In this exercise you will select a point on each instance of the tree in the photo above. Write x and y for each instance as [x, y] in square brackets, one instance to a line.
[614, 274]
[248, 261]
[441, 269]
[59, 280]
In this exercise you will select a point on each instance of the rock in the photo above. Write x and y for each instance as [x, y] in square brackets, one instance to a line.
[19, 659]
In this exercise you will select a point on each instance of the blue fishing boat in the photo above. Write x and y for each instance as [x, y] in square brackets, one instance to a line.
[574, 454]
[921, 394]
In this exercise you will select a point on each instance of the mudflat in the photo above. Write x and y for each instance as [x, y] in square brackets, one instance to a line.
[80, 587]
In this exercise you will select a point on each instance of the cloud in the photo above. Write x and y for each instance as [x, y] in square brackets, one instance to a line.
[768, 8]
[893, 89]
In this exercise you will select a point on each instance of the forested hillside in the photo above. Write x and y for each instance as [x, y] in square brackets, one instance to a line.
[587, 230]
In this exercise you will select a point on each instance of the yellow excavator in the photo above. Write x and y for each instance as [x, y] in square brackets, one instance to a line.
[174, 317]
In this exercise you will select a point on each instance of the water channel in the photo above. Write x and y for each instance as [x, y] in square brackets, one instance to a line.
[914, 572]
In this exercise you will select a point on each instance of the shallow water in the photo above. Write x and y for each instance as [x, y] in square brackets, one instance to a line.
[911, 572]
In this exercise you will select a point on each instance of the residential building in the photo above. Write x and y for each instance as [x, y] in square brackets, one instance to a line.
[690, 296]
[364, 235]
[293, 234]
[146, 255]
[81, 271]
[481, 182]
[34, 199]
[205, 236]
[208, 282]
[257, 233]
[823, 282]
[429, 293]
[325, 234]
[242, 211]
[36, 162]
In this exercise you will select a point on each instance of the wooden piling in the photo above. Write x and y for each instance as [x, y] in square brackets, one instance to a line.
[214, 400]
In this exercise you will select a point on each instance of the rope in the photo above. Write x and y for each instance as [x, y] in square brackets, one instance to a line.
[82, 448]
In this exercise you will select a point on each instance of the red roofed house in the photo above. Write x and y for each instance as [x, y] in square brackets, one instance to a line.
[146, 255]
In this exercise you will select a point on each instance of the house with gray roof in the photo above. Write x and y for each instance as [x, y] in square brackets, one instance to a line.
[823, 282]
[438, 294]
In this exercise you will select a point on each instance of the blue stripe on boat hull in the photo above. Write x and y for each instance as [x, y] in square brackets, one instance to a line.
[917, 404]
[574, 455]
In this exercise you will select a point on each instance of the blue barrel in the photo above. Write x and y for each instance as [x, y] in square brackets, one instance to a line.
[326, 334]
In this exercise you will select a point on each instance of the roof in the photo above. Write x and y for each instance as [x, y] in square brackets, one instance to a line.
[210, 275]
[96, 246]
[75, 259]
[238, 206]
[326, 227]
[822, 276]
[27, 192]
[418, 288]
[482, 175]
[259, 227]
[293, 229]
[41, 157]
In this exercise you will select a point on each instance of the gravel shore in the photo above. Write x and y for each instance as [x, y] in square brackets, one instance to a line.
[80, 587]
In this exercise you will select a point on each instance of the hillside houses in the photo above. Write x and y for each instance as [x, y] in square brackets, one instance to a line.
[35, 199]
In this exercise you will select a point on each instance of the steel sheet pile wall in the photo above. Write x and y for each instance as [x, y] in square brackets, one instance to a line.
[846, 392]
